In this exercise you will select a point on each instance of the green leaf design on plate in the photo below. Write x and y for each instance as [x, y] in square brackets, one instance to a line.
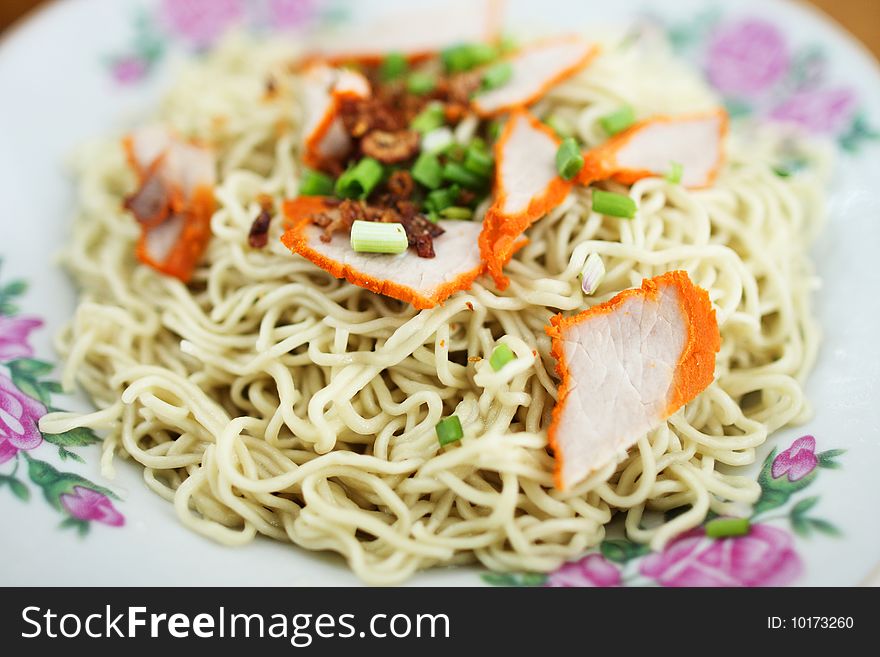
[512, 579]
[622, 550]
[27, 382]
[737, 108]
[824, 527]
[499, 579]
[14, 288]
[8, 292]
[858, 132]
[826, 458]
[804, 505]
[56, 483]
[31, 366]
[333, 13]
[67, 454]
[533, 579]
[26, 374]
[766, 467]
[772, 494]
[770, 499]
[805, 64]
[687, 34]
[80, 526]
[76, 437]
[148, 43]
[19, 490]
[801, 526]
[30, 387]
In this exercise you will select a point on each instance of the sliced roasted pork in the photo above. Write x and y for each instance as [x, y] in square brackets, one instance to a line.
[527, 186]
[324, 90]
[625, 366]
[174, 200]
[422, 282]
[694, 142]
[534, 70]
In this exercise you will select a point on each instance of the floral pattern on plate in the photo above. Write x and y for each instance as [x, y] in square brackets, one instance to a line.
[760, 74]
[197, 24]
[25, 396]
[765, 556]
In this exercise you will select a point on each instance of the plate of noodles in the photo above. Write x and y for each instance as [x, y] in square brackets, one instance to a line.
[560, 294]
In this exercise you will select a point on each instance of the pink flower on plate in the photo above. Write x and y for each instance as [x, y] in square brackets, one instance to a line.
[746, 58]
[763, 557]
[19, 415]
[797, 461]
[822, 111]
[14, 333]
[289, 13]
[201, 21]
[127, 70]
[90, 505]
[592, 570]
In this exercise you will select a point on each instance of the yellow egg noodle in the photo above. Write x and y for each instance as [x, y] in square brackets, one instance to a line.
[270, 398]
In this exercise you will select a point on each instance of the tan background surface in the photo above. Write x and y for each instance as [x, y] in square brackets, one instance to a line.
[861, 17]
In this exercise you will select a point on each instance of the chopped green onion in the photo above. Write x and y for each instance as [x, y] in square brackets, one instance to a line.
[315, 183]
[455, 152]
[478, 142]
[613, 205]
[420, 83]
[560, 126]
[428, 171]
[455, 172]
[722, 527]
[441, 199]
[482, 53]
[569, 159]
[496, 76]
[449, 430]
[457, 212]
[478, 160]
[507, 44]
[494, 129]
[378, 237]
[592, 273]
[467, 56]
[358, 181]
[430, 118]
[437, 140]
[456, 59]
[393, 66]
[790, 167]
[676, 170]
[618, 121]
[501, 356]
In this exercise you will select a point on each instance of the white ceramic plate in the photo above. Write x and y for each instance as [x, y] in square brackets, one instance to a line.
[81, 68]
